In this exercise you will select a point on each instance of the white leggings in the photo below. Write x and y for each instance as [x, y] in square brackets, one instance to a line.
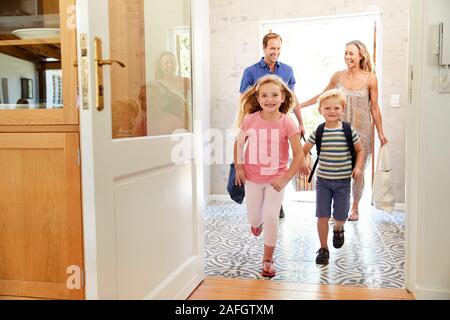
[263, 205]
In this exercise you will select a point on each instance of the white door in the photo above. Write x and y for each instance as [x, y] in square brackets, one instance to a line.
[142, 218]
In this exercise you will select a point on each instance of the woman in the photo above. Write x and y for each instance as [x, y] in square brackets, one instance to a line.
[168, 97]
[360, 86]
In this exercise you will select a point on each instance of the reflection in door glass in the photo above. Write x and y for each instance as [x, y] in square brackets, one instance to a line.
[152, 95]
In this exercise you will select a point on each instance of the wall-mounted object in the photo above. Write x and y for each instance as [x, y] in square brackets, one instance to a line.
[444, 43]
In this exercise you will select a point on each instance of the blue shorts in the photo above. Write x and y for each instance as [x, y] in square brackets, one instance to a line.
[336, 191]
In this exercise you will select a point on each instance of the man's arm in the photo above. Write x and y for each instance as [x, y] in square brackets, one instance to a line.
[298, 114]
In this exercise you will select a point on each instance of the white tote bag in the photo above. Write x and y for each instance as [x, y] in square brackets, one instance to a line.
[383, 188]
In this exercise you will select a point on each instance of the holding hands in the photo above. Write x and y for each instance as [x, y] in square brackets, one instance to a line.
[305, 170]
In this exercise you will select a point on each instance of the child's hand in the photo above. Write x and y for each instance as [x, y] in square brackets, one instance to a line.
[279, 184]
[356, 173]
[240, 176]
[304, 170]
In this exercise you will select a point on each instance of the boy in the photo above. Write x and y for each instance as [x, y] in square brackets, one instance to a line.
[334, 171]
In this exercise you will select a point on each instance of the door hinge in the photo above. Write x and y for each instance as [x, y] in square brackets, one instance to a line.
[79, 157]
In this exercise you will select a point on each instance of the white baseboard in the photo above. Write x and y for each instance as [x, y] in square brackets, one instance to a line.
[218, 197]
[431, 294]
[226, 197]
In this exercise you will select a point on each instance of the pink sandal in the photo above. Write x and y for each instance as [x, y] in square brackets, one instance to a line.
[268, 269]
[257, 230]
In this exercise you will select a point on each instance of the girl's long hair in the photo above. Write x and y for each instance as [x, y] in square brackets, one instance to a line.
[366, 62]
[249, 102]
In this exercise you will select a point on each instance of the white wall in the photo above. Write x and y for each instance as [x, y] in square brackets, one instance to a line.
[235, 44]
[13, 69]
[428, 173]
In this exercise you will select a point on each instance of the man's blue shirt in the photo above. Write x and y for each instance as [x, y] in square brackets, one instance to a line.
[259, 69]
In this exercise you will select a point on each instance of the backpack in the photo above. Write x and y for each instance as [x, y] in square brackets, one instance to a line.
[348, 137]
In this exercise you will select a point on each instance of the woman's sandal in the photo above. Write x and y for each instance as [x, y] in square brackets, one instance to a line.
[268, 269]
[354, 216]
[257, 230]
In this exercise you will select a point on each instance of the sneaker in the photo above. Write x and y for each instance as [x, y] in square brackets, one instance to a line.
[323, 255]
[281, 212]
[257, 230]
[338, 238]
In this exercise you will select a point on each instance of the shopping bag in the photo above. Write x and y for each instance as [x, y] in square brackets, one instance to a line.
[237, 193]
[301, 182]
[383, 189]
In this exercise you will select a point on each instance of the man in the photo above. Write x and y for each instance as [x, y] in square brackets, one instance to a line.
[269, 64]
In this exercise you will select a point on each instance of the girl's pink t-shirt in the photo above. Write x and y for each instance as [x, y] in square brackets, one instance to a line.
[267, 147]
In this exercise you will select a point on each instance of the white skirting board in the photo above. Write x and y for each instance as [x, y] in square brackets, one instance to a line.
[225, 197]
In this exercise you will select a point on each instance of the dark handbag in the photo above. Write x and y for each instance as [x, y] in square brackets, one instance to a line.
[237, 193]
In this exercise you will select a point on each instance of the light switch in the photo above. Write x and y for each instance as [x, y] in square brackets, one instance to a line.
[395, 101]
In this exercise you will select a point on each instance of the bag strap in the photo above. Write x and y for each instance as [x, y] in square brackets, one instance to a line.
[349, 138]
[319, 135]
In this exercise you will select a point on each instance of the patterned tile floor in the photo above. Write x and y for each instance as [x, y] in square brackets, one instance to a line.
[372, 256]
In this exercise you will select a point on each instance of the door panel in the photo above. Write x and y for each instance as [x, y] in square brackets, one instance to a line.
[40, 214]
[143, 230]
[149, 225]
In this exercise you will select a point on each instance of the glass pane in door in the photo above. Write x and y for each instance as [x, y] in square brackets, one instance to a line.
[30, 55]
[152, 94]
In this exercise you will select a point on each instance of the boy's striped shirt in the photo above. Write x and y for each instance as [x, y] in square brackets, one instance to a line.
[335, 161]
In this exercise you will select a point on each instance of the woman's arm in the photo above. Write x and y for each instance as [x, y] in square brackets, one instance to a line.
[375, 109]
[297, 162]
[332, 84]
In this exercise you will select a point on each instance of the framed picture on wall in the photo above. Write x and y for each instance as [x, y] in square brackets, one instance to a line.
[27, 88]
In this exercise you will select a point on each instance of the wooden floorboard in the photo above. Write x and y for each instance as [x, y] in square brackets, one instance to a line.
[214, 288]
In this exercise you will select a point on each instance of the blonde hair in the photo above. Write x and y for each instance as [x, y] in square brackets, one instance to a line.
[249, 102]
[366, 62]
[333, 94]
[269, 36]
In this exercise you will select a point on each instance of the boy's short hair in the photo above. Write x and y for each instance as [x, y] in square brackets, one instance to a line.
[335, 94]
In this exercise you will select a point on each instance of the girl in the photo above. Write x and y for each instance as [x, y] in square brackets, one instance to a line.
[360, 85]
[266, 132]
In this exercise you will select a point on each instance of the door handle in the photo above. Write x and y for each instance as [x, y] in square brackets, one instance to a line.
[99, 63]
[110, 62]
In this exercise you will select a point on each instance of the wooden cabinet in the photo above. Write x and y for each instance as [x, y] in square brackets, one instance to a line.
[40, 221]
[46, 54]
[41, 240]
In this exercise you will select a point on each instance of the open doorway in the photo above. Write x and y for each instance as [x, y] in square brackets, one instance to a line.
[314, 47]
[373, 254]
